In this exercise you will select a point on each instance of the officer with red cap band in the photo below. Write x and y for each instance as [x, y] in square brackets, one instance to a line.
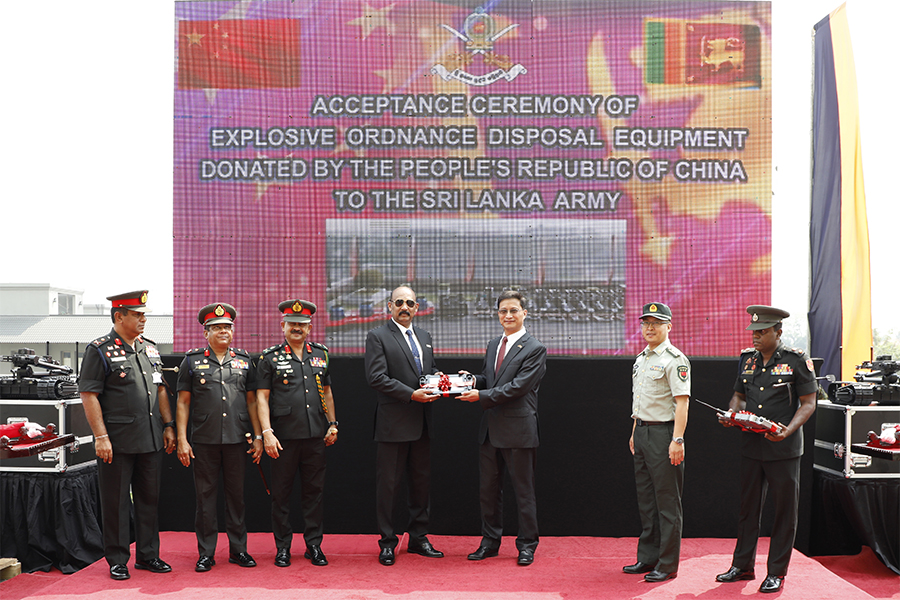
[220, 381]
[296, 413]
[127, 407]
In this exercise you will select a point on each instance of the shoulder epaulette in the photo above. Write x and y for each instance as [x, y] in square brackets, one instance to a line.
[100, 341]
[796, 351]
[148, 341]
[270, 350]
[746, 350]
[318, 345]
[241, 352]
[673, 351]
[195, 350]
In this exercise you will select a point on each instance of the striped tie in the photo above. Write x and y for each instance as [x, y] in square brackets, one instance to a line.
[415, 350]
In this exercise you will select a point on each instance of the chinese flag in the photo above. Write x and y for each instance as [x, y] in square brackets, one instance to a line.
[238, 54]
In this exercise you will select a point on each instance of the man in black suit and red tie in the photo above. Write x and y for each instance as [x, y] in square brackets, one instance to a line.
[397, 354]
[507, 390]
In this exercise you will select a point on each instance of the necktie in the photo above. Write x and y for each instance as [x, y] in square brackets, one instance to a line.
[500, 354]
[415, 350]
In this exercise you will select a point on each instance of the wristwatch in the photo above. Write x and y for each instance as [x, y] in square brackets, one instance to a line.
[169, 424]
[332, 423]
[679, 440]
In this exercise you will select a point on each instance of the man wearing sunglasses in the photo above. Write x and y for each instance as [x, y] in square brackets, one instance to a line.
[397, 354]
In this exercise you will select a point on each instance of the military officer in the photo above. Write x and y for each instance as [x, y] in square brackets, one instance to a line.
[661, 387]
[126, 404]
[777, 383]
[221, 383]
[296, 413]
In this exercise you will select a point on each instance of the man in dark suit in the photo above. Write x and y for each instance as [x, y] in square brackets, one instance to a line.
[127, 407]
[397, 354]
[507, 389]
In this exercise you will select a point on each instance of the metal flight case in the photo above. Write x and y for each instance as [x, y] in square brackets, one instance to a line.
[839, 427]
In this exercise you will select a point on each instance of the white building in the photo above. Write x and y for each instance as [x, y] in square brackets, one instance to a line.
[54, 322]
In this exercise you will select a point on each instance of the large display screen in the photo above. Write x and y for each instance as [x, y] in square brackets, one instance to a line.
[595, 155]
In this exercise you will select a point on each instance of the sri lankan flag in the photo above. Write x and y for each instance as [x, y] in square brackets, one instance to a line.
[840, 308]
[681, 52]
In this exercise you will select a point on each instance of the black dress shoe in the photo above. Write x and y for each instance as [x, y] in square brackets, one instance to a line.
[241, 558]
[315, 556]
[637, 568]
[386, 556]
[483, 553]
[655, 576]
[734, 574]
[283, 558]
[154, 565]
[425, 549]
[771, 584]
[526, 557]
[119, 572]
[204, 564]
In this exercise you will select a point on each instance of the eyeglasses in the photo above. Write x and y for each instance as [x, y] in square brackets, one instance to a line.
[652, 324]
[409, 303]
[513, 311]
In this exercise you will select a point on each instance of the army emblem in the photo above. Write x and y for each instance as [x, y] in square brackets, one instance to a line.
[297, 307]
[653, 308]
[755, 317]
[479, 33]
[683, 373]
[219, 310]
[144, 298]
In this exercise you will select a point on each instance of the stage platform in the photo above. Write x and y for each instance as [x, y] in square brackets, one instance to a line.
[573, 568]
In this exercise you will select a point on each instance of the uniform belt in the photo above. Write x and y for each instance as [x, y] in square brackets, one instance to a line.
[642, 423]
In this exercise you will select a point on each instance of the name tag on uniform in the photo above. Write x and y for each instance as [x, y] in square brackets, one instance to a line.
[118, 358]
[317, 361]
[201, 366]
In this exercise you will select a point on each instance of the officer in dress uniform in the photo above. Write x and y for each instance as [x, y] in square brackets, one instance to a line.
[221, 382]
[777, 383]
[661, 387]
[296, 413]
[126, 404]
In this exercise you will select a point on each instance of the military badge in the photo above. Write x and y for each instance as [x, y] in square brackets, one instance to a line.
[682, 373]
[479, 32]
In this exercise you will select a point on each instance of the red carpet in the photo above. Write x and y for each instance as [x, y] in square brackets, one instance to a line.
[571, 568]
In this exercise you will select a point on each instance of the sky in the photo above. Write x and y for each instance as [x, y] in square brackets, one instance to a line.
[87, 203]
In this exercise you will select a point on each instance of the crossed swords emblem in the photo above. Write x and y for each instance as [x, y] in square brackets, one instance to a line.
[476, 46]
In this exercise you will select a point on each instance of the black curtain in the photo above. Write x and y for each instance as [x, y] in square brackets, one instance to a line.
[51, 519]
